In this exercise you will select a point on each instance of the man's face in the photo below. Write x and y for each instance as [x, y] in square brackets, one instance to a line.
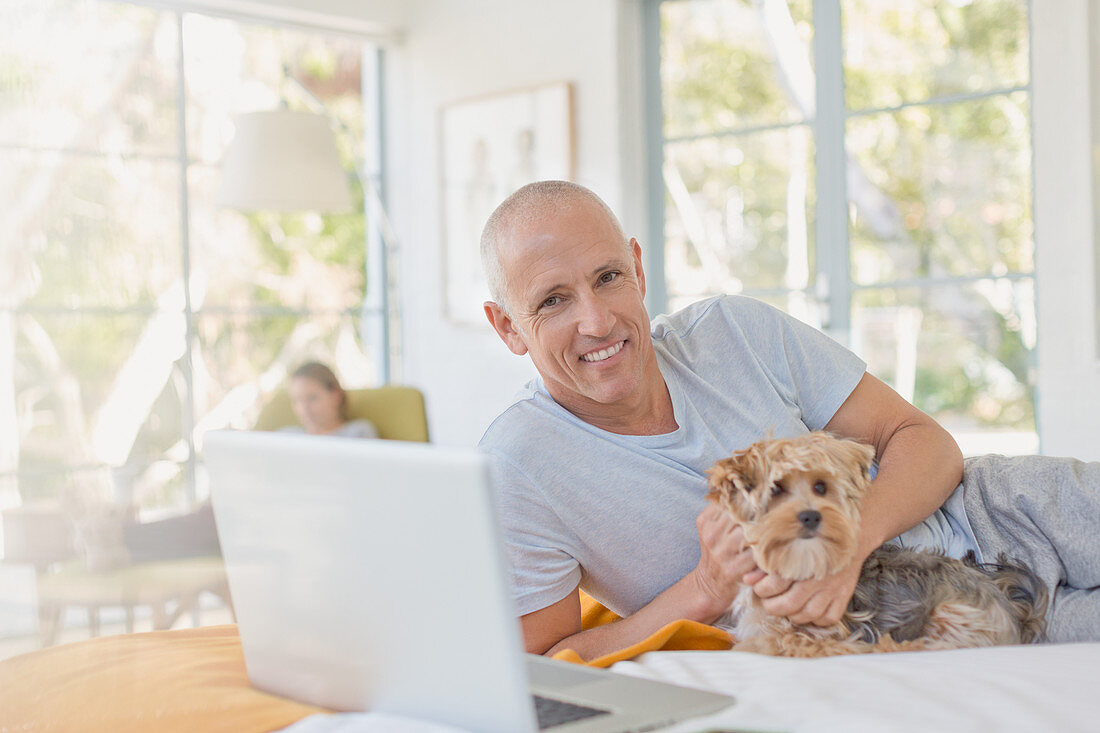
[576, 294]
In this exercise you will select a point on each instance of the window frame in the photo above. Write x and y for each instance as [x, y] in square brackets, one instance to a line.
[831, 283]
[376, 314]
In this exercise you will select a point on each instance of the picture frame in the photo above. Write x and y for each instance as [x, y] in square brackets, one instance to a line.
[490, 146]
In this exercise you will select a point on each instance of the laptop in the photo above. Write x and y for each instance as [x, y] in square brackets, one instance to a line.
[368, 575]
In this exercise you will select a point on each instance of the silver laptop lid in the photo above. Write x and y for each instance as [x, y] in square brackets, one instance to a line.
[368, 574]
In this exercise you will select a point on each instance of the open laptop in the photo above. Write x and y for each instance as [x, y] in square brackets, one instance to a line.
[367, 575]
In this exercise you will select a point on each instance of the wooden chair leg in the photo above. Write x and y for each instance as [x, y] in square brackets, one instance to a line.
[49, 623]
[93, 621]
[161, 619]
[185, 602]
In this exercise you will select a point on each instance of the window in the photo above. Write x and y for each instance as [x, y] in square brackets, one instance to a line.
[113, 119]
[865, 166]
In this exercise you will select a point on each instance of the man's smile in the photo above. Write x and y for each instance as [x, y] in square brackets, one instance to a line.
[603, 354]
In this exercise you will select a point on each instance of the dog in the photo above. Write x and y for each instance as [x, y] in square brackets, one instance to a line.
[798, 502]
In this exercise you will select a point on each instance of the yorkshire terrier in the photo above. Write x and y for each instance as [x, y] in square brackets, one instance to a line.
[798, 502]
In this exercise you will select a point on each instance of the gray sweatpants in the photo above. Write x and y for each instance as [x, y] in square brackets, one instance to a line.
[1044, 512]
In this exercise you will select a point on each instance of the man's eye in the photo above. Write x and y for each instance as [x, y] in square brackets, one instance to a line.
[551, 301]
[608, 276]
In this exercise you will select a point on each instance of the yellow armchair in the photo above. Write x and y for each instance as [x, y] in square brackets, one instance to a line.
[397, 412]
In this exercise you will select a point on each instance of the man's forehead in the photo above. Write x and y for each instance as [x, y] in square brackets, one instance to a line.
[538, 251]
[545, 229]
[539, 276]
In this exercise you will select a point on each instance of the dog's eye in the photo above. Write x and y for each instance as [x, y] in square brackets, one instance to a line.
[820, 488]
[778, 488]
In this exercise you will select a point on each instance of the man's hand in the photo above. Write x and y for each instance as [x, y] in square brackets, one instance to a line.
[818, 602]
[702, 595]
[724, 559]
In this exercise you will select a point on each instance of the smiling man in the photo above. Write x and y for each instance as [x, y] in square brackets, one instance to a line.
[577, 311]
[600, 462]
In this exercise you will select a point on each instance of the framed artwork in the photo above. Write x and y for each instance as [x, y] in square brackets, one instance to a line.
[492, 145]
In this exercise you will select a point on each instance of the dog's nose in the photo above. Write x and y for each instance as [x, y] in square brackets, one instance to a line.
[810, 518]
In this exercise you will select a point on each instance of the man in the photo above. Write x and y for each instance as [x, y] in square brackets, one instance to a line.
[600, 462]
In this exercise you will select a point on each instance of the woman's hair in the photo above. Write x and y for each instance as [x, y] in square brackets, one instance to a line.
[325, 377]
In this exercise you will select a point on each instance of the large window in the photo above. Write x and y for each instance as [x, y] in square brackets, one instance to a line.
[866, 166]
[135, 314]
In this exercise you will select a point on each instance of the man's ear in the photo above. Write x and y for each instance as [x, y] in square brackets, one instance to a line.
[638, 273]
[502, 324]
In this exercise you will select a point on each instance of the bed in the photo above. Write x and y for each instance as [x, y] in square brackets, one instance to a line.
[194, 679]
[1032, 688]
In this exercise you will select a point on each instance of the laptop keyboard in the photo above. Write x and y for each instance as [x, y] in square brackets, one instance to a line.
[552, 712]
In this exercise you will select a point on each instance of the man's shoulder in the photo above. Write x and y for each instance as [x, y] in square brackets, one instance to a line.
[719, 311]
[531, 411]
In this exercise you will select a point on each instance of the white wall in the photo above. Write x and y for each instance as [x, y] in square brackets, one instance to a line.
[1069, 371]
[452, 51]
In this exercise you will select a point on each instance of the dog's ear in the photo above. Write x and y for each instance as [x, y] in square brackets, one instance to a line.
[736, 473]
[858, 458]
[865, 455]
[732, 481]
[724, 479]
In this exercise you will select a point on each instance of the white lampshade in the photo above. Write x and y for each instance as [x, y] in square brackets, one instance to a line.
[283, 160]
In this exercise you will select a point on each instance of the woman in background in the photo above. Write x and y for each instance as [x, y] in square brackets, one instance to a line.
[320, 404]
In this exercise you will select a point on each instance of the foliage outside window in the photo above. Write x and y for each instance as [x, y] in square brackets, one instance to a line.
[109, 372]
[938, 257]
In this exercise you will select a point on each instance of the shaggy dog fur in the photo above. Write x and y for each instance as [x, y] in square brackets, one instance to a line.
[798, 502]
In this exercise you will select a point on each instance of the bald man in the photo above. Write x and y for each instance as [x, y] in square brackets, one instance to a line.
[600, 461]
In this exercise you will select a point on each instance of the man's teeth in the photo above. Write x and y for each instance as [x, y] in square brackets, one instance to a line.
[604, 353]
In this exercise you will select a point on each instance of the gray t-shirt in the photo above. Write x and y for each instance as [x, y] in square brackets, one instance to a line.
[616, 513]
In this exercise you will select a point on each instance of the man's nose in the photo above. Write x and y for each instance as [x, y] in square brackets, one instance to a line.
[596, 318]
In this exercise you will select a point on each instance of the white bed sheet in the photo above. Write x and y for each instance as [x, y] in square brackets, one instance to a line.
[993, 690]
[1031, 689]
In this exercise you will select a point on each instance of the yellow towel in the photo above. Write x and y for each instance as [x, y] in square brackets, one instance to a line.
[676, 636]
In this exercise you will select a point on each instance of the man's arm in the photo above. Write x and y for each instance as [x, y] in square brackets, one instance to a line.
[919, 466]
[702, 595]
